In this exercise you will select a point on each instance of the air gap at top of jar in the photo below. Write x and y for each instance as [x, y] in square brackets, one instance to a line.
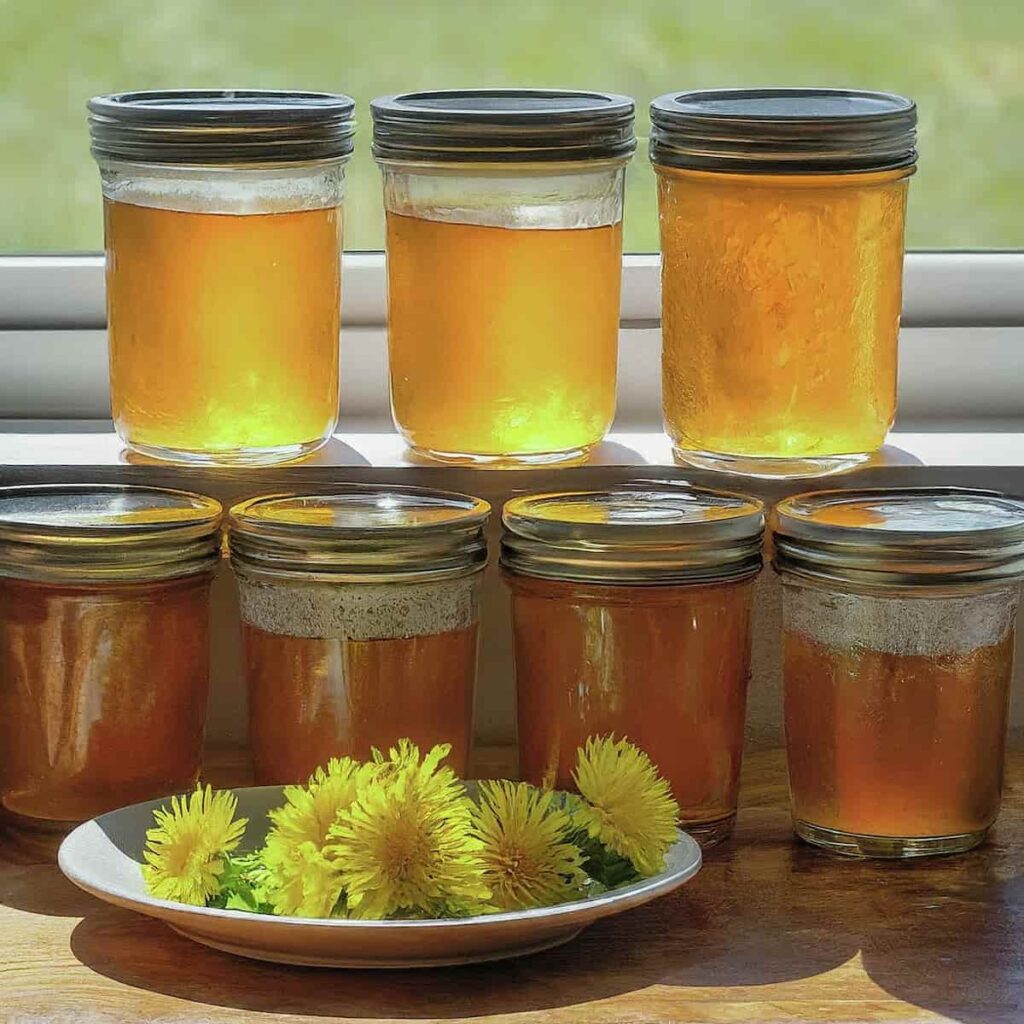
[782, 216]
[504, 251]
[222, 217]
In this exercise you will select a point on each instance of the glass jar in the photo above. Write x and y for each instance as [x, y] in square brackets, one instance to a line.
[899, 613]
[104, 647]
[782, 214]
[504, 254]
[222, 215]
[359, 622]
[631, 616]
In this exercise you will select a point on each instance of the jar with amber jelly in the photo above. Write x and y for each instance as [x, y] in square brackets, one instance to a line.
[223, 224]
[631, 616]
[899, 610]
[504, 258]
[359, 622]
[104, 647]
[782, 221]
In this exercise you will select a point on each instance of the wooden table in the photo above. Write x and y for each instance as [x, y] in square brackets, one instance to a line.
[769, 931]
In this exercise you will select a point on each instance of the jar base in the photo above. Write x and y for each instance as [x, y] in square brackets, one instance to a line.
[770, 468]
[515, 460]
[849, 844]
[229, 457]
[32, 840]
[710, 833]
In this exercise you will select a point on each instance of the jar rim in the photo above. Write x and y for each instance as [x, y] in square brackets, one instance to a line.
[901, 537]
[636, 534]
[502, 126]
[84, 533]
[190, 127]
[363, 532]
[784, 131]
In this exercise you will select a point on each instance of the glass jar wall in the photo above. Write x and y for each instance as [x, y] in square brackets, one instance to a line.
[899, 614]
[104, 650]
[504, 253]
[223, 231]
[631, 615]
[359, 623]
[782, 222]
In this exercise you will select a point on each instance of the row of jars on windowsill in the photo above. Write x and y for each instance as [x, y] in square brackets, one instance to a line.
[631, 615]
[782, 222]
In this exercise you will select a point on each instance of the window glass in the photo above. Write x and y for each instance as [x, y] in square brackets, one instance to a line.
[961, 60]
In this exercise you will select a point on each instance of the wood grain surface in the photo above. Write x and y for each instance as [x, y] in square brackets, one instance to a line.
[769, 931]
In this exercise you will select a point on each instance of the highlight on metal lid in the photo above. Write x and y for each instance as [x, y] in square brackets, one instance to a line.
[640, 533]
[784, 131]
[360, 531]
[80, 533]
[221, 126]
[901, 537]
[503, 126]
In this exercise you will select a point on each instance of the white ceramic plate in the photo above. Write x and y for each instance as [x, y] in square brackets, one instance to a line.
[103, 858]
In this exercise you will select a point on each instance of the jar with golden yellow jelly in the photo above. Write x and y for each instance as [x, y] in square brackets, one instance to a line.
[782, 221]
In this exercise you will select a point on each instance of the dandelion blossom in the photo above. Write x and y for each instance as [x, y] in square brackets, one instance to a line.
[527, 861]
[187, 848]
[629, 808]
[406, 846]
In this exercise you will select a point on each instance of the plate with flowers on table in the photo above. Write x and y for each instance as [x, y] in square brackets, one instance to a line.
[393, 862]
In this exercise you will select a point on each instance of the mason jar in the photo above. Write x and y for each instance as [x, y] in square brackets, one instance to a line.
[631, 616]
[899, 611]
[222, 214]
[104, 647]
[504, 253]
[782, 215]
[359, 622]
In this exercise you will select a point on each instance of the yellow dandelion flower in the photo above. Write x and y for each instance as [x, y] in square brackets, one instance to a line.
[629, 807]
[527, 862]
[299, 879]
[186, 849]
[406, 845]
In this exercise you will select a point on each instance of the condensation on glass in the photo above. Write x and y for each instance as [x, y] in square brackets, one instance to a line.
[631, 616]
[223, 226]
[899, 614]
[104, 647]
[504, 253]
[359, 622]
[782, 223]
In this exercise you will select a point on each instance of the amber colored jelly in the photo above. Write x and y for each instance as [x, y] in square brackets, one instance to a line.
[502, 341]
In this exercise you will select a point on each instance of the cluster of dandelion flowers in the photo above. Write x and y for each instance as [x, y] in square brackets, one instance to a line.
[187, 850]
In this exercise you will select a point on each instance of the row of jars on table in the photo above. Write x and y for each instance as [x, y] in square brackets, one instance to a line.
[631, 615]
[782, 225]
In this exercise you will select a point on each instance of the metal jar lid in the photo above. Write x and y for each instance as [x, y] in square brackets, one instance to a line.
[783, 131]
[635, 535]
[221, 126]
[902, 538]
[360, 533]
[95, 533]
[502, 126]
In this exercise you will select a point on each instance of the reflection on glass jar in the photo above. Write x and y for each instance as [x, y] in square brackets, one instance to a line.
[359, 623]
[631, 615]
[782, 221]
[503, 270]
[104, 648]
[223, 270]
[898, 648]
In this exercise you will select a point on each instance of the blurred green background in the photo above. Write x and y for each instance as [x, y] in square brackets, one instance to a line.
[963, 61]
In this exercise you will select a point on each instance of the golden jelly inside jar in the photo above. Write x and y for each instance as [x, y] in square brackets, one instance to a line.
[223, 229]
[899, 612]
[359, 614]
[504, 252]
[631, 615]
[782, 223]
[104, 647]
